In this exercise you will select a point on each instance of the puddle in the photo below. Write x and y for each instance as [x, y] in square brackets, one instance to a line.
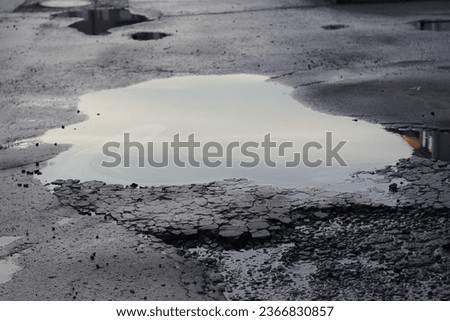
[223, 109]
[144, 36]
[99, 21]
[65, 4]
[7, 268]
[427, 143]
[433, 25]
[7, 265]
[334, 27]
[5, 240]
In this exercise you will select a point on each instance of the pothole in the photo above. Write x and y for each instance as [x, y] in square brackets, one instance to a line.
[221, 111]
[144, 36]
[334, 27]
[64, 4]
[99, 21]
[433, 25]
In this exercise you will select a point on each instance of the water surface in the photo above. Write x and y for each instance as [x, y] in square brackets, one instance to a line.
[222, 109]
[64, 3]
[5, 240]
[100, 20]
[433, 25]
[7, 265]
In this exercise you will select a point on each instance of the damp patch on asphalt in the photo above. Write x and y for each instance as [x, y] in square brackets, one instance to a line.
[100, 20]
[145, 36]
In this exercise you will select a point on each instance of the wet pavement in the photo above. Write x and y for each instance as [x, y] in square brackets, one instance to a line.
[381, 235]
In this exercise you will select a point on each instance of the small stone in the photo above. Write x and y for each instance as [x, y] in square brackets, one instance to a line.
[189, 232]
[128, 216]
[257, 225]
[320, 215]
[284, 219]
[216, 278]
[201, 201]
[209, 227]
[221, 287]
[58, 182]
[261, 234]
[393, 187]
[231, 233]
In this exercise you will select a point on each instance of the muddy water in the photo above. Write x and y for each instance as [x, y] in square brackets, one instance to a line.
[223, 109]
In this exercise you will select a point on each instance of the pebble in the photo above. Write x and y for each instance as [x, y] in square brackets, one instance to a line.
[320, 215]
